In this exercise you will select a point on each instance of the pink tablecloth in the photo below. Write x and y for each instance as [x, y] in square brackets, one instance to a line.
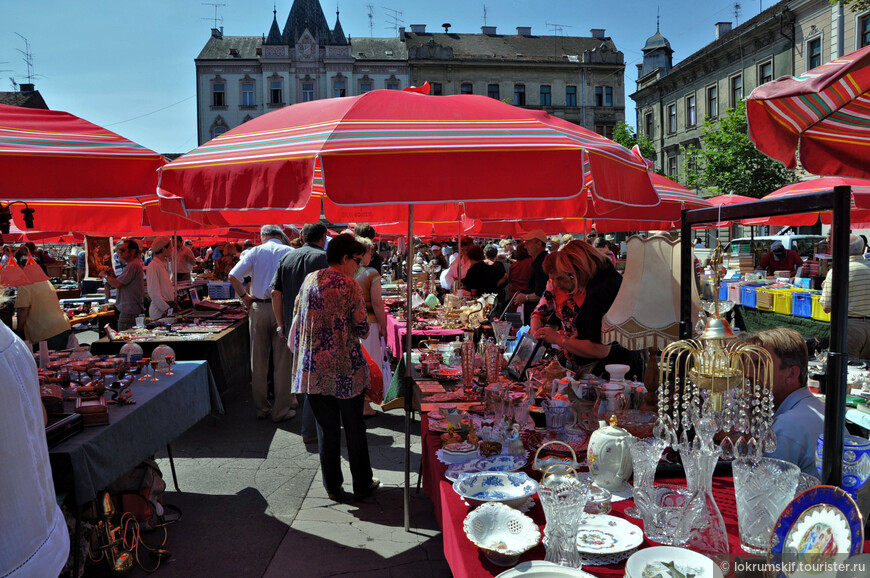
[397, 330]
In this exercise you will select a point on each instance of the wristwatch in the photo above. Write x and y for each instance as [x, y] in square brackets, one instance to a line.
[280, 330]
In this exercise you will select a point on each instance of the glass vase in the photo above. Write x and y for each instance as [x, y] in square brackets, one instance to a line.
[563, 496]
[645, 456]
[708, 535]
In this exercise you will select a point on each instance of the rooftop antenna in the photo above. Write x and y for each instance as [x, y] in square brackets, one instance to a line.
[484, 14]
[371, 15]
[217, 18]
[394, 18]
[28, 58]
[737, 8]
[658, 17]
[14, 84]
[558, 29]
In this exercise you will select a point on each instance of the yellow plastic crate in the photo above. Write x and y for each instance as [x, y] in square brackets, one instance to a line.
[764, 299]
[818, 312]
[782, 302]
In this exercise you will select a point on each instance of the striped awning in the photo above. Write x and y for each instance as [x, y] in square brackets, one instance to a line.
[51, 154]
[823, 114]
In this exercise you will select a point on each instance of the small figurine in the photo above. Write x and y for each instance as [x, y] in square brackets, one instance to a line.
[472, 436]
[450, 437]
[516, 447]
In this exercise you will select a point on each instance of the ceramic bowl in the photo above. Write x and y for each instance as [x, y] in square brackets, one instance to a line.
[509, 488]
[502, 533]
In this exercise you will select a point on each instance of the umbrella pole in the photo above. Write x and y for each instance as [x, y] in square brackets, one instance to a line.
[175, 268]
[835, 402]
[409, 321]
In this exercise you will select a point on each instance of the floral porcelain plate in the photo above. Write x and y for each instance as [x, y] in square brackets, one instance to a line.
[543, 569]
[607, 535]
[669, 561]
[820, 526]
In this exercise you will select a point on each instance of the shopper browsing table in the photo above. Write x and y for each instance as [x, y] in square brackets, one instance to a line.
[536, 246]
[781, 259]
[329, 366]
[130, 283]
[160, 288]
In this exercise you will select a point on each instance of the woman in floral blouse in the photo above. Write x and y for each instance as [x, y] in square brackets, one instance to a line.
[329, 320]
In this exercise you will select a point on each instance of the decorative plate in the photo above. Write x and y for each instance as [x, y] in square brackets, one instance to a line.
[501, 532]
[607, 535]
[661, 561]
[543, 569]
[821, 525]
[501, 463]
[435, 415]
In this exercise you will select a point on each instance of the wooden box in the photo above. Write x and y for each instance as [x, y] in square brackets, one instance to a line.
[93, 411]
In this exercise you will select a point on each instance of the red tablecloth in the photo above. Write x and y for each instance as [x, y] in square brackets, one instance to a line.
[465, 559]
[397, 330]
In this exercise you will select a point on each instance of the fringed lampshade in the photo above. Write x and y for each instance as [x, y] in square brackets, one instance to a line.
[646, 312]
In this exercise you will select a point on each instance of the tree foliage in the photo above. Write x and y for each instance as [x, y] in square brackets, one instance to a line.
[857, 5]
[625, 135]
[728, 162]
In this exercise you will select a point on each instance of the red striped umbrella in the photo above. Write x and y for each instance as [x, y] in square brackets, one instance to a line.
[50, 154]
[388, 148]
[859, 217]
[824, 114]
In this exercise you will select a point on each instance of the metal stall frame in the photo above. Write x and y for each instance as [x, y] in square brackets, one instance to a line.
[838, 200]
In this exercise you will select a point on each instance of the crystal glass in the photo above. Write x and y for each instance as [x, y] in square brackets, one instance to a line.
[763, 488]
[160, 353]
[645, 456]
[708, 536]
[563, 497]
[501, 329]
[170, 359]
[856, 458]
[668, 512]
[557, 415]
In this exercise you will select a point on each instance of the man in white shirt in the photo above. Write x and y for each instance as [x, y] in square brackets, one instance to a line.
[260, 263]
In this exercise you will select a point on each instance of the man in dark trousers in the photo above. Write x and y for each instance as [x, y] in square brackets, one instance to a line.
[292, 270]
[536, 245]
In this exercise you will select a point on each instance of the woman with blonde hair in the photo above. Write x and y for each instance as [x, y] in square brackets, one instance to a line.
[584, 284]
[370, 281]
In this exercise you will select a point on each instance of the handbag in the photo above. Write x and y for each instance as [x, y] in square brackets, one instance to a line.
[11, 275]
[31, 268]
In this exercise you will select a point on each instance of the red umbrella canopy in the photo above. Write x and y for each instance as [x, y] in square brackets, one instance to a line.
[721, 201]
[860, 192]
[395, 148]
[50, 154]
[824, 113]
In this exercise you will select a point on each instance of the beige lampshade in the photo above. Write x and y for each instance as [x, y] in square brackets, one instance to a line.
[646, 312]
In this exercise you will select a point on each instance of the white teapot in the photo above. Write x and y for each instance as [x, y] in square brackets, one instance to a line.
[609, 456]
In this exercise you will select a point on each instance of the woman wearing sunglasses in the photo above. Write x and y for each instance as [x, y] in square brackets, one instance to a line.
[329, 366]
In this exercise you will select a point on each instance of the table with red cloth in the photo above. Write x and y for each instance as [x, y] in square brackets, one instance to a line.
[466, 560]
[397, 330]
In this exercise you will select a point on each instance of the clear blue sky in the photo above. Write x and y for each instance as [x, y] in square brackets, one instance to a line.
[128, 65]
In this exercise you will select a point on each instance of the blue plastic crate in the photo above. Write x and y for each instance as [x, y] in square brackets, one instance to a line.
[802, 303]
[748, 296]
[803, 282]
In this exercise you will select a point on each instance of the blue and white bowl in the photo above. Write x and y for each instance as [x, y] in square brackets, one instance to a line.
[856, 462]
[509, 488]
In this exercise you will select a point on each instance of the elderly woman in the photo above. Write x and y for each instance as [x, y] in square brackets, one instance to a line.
[370, 281]
[584, 286]
[329, 320]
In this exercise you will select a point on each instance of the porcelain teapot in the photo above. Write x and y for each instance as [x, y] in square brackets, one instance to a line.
[609, 456]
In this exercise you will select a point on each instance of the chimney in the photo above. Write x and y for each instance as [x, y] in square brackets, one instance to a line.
[722, 28]
[402, 33]
[597, 33]
[639, 68]
[488, 30]
[217, 33]
[418, 28]
[26, 87]
[524, 30]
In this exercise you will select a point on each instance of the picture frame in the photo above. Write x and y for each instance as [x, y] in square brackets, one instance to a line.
[528, 351]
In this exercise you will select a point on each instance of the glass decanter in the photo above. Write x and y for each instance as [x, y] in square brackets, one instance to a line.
[563, 496]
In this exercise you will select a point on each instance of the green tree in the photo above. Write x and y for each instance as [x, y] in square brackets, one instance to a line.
[625, 135]
[728, 162]
[857, 5]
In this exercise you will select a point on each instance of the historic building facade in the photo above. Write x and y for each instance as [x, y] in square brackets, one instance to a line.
[789, 38]
[240, 77]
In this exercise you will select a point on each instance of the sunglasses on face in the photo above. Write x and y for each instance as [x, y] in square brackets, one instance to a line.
[357, 259]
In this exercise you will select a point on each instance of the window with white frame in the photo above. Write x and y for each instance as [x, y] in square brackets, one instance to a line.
[814, 53]
[713, 101]
[247, 90]
[864, 31]
[672, 166]
[691, 112]
[736, 89]
[765, 72]
[672, 118]
[307, 91]
[276, 91]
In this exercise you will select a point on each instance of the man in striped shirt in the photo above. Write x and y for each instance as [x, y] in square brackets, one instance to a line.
[858, 326]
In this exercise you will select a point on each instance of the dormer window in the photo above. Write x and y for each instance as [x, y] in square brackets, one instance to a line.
[234, 52]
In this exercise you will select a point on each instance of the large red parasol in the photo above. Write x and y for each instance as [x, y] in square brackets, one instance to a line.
[395, 148]
[824, 114]
[50, 154]
[860, 218]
